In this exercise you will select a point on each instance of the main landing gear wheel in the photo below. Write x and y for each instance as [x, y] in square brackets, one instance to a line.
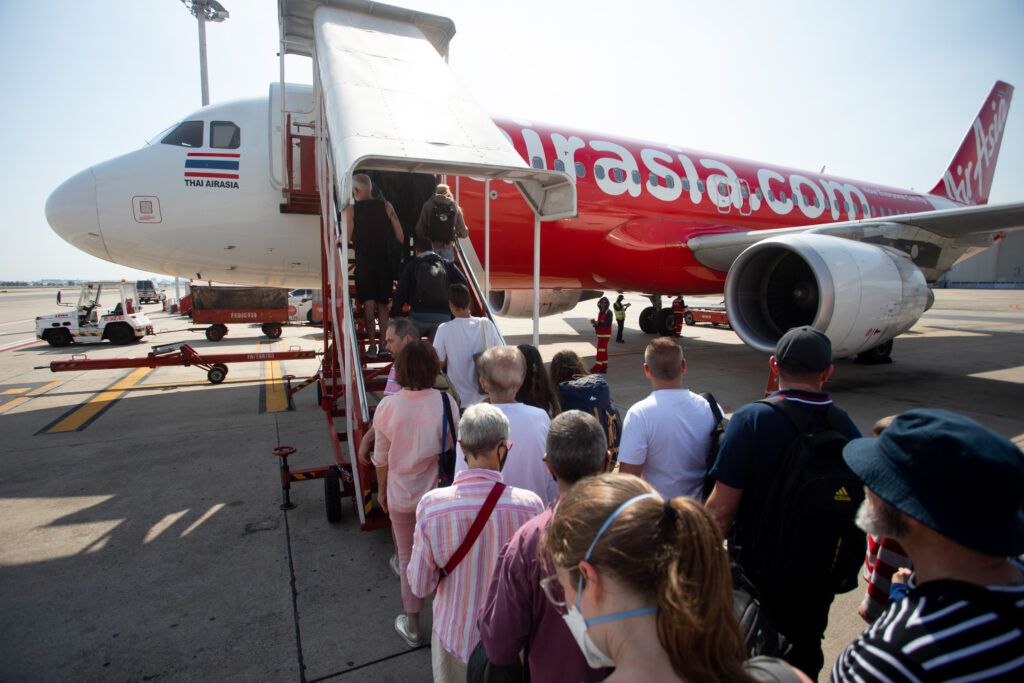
[217, 373]
[216, 332]
[665, 321]
[688, 319]
[272, 330]
[877, 356]
[332, 495]
[647, 320]
[59, 337]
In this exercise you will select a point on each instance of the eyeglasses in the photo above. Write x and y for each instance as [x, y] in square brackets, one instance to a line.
[553, 590]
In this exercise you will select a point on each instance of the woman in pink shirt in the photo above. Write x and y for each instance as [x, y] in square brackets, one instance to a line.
[405, 453]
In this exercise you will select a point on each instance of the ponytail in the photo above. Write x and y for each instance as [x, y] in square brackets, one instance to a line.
[696, 624]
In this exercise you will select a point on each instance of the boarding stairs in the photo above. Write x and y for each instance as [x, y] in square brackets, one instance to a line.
[387, 103]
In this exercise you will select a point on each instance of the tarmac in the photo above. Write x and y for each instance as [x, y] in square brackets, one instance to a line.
[141, 536]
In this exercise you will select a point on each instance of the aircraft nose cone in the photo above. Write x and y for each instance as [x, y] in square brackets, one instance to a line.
[72, 213]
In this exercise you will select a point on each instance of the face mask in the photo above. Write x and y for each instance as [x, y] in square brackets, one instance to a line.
[573, 618]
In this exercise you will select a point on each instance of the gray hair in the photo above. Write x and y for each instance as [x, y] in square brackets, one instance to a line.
[481, 427]
[576, 446]
[502, 369]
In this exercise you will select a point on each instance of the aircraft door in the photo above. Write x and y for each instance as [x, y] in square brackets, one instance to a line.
[744, 197]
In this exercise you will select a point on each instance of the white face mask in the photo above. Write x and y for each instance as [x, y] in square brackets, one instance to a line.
[578, 625]
[573, 618]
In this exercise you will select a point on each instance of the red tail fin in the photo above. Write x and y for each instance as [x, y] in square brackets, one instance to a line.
[969, 176]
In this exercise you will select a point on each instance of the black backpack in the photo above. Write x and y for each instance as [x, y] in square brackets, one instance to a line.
[721, 422]
[590, 394]
[431, 286]
[441, 222]
[805, 533]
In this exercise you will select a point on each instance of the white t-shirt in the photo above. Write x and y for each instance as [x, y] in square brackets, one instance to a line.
[456, 341]
[669, 433]
[524, 467]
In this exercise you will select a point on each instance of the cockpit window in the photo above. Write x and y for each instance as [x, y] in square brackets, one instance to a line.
[224, 135]
[186, 134]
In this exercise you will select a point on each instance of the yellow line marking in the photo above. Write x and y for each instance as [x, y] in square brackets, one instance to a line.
[26, 395]
[97, 403]
[275, 390]
[13, 391]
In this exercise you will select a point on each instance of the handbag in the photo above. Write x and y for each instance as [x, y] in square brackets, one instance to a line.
[446, 461]
[480, 669]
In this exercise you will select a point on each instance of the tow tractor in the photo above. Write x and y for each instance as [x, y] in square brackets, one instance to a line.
[123, 323]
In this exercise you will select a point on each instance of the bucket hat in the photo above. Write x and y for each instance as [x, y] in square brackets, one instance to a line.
[949, 473]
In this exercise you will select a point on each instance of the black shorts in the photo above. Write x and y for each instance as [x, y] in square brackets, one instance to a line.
[373, 281]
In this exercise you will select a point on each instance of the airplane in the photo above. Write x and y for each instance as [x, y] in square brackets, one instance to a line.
[208, 199]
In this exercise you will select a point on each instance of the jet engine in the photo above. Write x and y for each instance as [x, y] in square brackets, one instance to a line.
[518, 303]
[860, 295]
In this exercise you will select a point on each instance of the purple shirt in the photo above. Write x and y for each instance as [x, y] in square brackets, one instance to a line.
[516, 614]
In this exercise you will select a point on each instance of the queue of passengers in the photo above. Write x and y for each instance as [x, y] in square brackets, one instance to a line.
[544, 553]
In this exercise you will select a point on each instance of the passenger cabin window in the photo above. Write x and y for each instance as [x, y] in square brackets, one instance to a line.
[559, 165]
[224, 135]
[581, 170]
[636, 177]
[538, 162]
[599, 171]
[186, 134]
[686, 184]
[618, 175]
[670, 183]
[700, 186]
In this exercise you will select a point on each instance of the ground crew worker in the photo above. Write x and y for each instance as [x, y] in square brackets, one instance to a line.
[678, 311]
[603, 327]
[620, 315]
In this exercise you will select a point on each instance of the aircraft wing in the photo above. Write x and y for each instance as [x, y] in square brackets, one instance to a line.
[964, 227]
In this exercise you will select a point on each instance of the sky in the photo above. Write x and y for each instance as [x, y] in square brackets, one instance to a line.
[877, 91]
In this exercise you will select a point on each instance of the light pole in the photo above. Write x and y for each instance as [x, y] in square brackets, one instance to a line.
[204, 11]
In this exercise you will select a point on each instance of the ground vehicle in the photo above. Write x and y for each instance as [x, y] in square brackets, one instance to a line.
[713, 315]
[123, 323]
[306, 304]
[149, 292]
[229, 304]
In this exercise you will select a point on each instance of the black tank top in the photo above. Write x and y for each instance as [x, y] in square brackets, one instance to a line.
[370, 232]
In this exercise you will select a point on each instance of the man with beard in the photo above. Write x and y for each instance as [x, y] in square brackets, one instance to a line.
[952, 493]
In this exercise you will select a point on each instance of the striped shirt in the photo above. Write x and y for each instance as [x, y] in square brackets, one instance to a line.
[884, 557]
[443, 518]
[942, 631]
[392, 387]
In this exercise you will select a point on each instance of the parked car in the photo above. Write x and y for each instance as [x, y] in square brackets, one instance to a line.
[149, 292]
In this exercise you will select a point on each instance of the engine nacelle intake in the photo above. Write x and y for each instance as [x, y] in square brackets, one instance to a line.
[858, 294]
[518, 303]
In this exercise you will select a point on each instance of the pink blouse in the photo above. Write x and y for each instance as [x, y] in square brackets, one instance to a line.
[408, 441]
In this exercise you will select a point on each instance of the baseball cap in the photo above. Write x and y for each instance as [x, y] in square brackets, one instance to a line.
[803, 349]
[948, 472]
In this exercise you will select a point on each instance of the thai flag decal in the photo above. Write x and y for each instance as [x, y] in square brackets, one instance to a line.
[209, 165]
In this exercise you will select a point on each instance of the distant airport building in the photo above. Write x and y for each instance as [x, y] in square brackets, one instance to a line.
[1000, 267]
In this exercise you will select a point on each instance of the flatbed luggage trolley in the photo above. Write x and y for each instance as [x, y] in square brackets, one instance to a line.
[219, 306]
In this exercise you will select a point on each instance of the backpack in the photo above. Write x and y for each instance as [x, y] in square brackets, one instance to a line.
[805, 532]
[717, 432]
[441, 222]
[431, 289]
[760, 636]
[591, 395]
